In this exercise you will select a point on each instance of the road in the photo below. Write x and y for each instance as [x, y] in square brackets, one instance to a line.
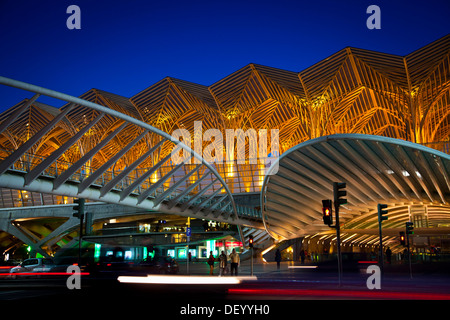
[277, 289]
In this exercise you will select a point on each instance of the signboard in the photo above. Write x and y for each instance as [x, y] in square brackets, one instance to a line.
[188, 231]
[229, 244]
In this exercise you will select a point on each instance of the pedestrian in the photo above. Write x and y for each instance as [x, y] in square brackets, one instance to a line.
[388, 255]
[222, 263]
[211, 261]
[278, 258]
[235, 260]
[302, 256]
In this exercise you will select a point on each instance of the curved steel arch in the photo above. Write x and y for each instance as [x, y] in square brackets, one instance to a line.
[206, 195]
[376, 169]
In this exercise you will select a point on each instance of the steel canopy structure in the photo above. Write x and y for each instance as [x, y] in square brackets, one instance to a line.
[352, 111]
[21, 168]
[376, 170]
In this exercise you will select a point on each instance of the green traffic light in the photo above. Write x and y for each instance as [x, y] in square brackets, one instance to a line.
[409, 228]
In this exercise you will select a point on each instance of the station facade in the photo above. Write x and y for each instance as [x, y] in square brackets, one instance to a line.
[354, 91]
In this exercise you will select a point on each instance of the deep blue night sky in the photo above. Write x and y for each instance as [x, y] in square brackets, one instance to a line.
[125, 46]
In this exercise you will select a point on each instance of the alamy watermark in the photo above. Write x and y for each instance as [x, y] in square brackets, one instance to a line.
[74, 280]
[374, 20]
[373, 281]
[236, 141]
[74, 20]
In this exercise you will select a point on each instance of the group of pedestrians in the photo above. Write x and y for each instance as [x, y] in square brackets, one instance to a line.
[223, 263]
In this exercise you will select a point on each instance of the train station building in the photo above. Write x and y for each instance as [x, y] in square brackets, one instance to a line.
[378, 122]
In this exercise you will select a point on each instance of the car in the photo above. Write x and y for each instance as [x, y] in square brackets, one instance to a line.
[158, 265]
[34, 265]
[6, 266]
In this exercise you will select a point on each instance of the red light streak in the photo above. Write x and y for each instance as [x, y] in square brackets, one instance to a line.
[27, 274]
[343, 293]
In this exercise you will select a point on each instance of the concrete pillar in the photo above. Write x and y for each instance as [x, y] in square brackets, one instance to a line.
[297, 248]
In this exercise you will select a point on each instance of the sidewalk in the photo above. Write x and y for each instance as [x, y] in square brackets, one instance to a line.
[259, 269]
[289, 277]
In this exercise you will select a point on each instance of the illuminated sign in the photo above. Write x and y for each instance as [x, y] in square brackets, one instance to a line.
[229, 244]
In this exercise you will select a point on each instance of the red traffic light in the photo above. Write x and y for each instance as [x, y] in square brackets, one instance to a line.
[402, 238]
[327, 212]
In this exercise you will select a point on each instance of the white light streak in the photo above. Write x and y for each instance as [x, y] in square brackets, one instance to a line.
[158, 279]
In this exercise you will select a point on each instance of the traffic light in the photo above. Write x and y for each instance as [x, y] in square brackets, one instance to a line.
[88, 216]
[338, 193]
[402, 238]
[78, 208]
[382, 212]
[327, 211]
[409, 228]
[250, 241]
